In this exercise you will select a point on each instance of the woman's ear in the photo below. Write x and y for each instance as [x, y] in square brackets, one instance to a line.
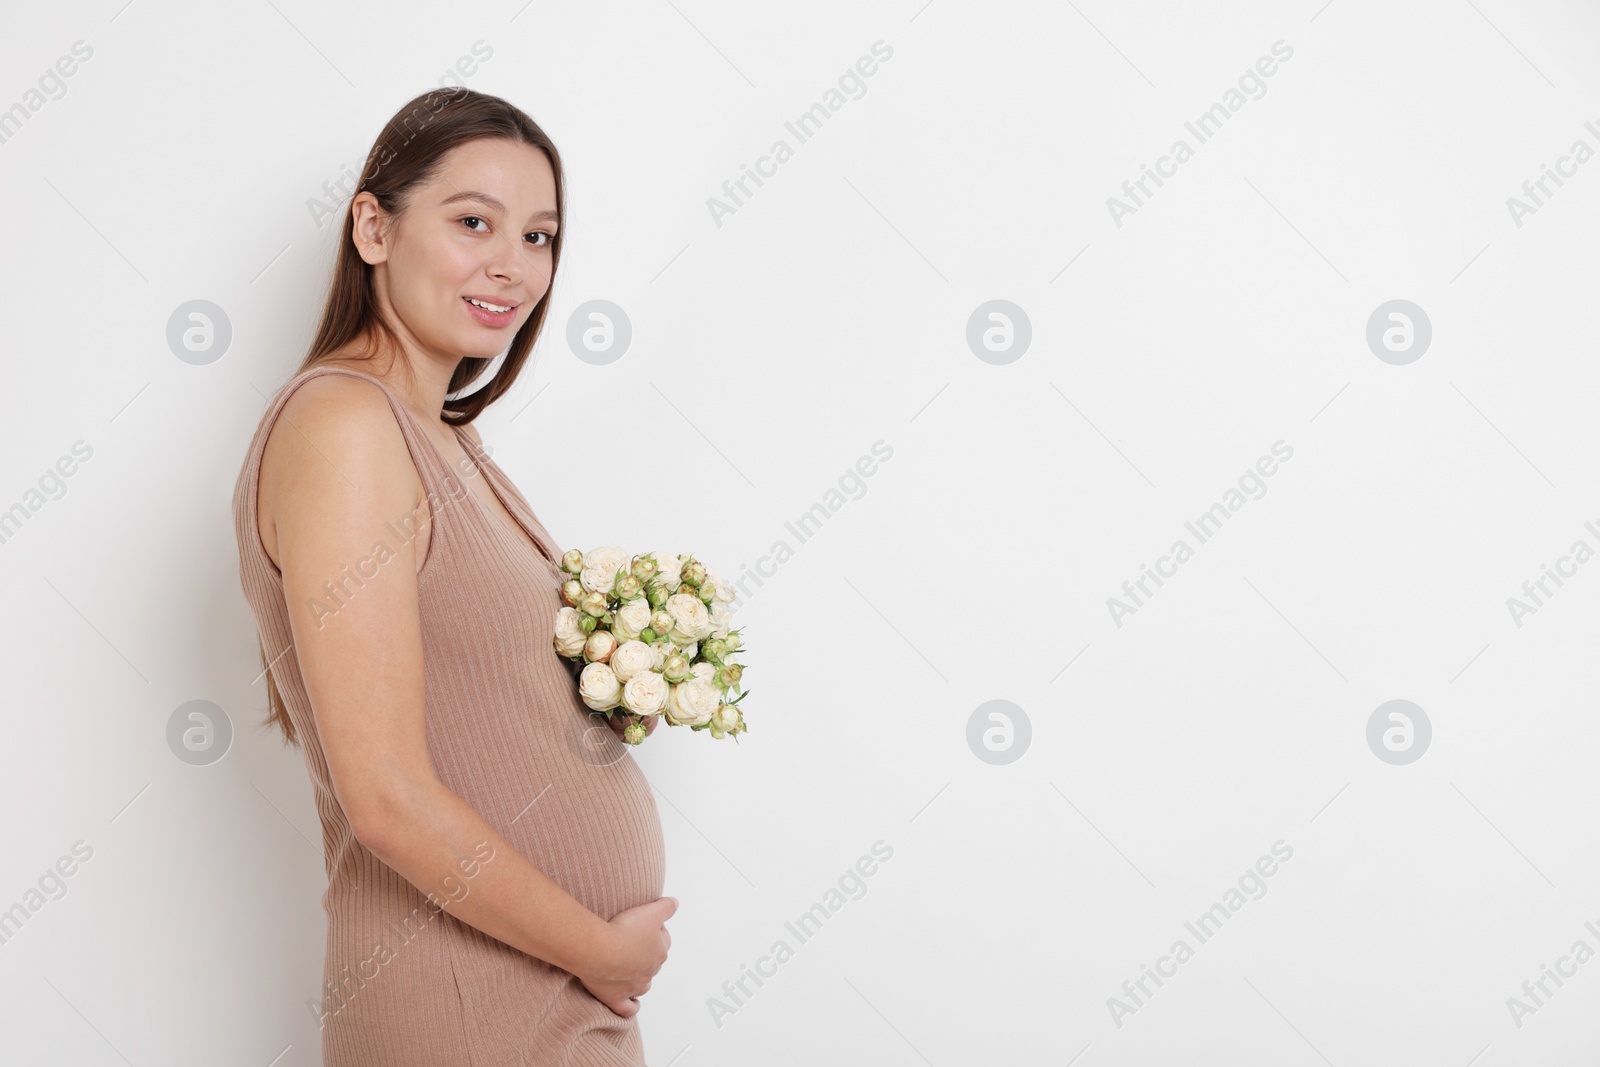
[366, 228]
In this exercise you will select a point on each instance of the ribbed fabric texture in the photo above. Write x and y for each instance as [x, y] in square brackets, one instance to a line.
[405, 983]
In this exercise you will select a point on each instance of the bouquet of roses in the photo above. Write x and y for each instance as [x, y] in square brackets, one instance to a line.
[654, 633]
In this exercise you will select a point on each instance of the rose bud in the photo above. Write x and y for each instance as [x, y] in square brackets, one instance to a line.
[727, 719]
[676, 667]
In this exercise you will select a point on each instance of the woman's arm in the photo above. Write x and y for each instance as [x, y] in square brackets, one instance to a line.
[335, 468]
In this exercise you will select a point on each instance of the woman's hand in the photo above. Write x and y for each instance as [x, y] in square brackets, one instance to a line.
[621, 972]
[619, 723]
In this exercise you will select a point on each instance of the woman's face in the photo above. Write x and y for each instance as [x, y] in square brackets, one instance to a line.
[481, 228]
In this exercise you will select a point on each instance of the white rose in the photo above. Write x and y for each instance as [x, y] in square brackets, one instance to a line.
[630, 619]
[721, 619]
[599, 688]
[600, 567]
[692, 703]
[703, 670]
[631, 657]
[690, 619]
[599, 647]
[721, 591]
[668, 570]
[645, 693]
[569, 639]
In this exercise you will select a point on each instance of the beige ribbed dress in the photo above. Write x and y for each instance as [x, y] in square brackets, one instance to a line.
[405, 983]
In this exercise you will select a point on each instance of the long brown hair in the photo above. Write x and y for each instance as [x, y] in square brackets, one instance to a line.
[407, 153]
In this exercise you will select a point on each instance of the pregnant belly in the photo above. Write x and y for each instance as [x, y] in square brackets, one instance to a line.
[601, 840]
[569, 795]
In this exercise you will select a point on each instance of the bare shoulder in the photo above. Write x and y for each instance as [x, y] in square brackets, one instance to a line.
[335, 457]
[472, 433]
[337, 411]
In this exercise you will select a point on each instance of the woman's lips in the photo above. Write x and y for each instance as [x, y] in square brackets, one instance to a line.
[490, 318]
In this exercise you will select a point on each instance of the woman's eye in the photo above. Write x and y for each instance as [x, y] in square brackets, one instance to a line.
[547, 238]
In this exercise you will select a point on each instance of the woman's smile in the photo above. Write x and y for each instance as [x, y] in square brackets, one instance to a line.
[482, 309]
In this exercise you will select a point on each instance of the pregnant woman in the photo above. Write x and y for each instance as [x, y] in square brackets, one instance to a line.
[494, 854]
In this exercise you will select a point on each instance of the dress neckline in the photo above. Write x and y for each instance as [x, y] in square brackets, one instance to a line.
[491, 473]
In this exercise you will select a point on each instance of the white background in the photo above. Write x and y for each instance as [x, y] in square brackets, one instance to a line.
[771, 351]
